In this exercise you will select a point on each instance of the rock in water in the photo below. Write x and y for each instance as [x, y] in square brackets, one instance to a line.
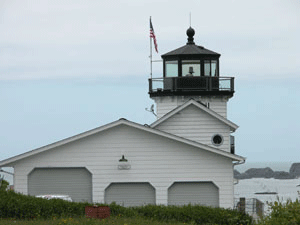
[282, 175]
[260, 173]
[236, 174]
[295, 170]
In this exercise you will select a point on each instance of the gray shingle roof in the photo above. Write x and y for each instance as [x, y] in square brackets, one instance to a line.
[191, 49]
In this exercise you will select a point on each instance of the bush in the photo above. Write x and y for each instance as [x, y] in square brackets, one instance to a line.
[283, 214]
[194, 214]
[19, 206]
[3, 184]
[117, 210]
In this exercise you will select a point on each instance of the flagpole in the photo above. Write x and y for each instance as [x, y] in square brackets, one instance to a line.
[150, 55]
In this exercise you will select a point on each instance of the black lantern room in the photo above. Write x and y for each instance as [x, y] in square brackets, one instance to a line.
[191, 70]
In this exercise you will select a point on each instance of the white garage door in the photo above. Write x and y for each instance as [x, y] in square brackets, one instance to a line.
[130, 194]
[200, 193]
[75, 182]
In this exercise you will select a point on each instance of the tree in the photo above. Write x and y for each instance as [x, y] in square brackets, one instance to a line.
[3, 184]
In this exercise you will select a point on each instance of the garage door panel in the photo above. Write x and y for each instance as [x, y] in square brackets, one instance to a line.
[75, 182]
[130, 194]
[196, 193]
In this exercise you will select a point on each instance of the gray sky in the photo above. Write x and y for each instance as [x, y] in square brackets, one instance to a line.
[70, 66]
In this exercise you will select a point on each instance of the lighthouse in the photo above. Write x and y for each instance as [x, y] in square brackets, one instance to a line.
[191, 74]
[191, 71]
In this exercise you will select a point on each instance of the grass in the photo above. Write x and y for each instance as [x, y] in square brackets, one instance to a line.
[113, 220]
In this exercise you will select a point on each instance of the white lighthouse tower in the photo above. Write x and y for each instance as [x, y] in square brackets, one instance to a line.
[191, 73]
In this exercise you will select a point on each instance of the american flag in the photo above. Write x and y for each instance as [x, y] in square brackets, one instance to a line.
[152, 35]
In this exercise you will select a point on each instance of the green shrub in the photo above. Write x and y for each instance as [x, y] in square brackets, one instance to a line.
[117, 210]
[14, 205]
[19, 206]
[195, 214]
[283, 214]
[3, 184]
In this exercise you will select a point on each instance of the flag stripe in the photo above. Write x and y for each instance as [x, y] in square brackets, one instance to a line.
[152, 35]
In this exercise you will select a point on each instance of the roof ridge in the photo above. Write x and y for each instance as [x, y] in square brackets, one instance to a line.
[111, 125]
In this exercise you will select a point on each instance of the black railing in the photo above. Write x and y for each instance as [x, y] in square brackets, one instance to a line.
[190, 84]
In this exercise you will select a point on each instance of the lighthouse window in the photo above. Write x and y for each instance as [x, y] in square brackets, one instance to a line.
[191, 67]
[171, 69]
[217, 139]
[210, 68]
[214, 68]
[207, 68]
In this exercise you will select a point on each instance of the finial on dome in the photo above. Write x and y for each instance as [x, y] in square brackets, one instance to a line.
[190, 33]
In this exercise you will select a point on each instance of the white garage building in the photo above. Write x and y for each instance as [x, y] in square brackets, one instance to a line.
[185, 156]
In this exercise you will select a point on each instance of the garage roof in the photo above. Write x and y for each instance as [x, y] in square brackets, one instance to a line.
[122, 121]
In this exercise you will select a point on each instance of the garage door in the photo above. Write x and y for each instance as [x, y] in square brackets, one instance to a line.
[130, 194]
[200, 193]
[75, 182]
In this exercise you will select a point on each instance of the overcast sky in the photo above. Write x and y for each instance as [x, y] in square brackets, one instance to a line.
[70, 66]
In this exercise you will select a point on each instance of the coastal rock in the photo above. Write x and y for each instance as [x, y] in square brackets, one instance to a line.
[269, 173]
[236, 174]
[282, 175]
[260, 172]
[295, 170]
[242, 176]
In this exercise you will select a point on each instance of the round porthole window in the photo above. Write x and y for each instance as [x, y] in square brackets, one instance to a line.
[217, 139]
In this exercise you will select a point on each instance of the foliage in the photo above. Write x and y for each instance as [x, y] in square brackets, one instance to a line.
[18, 206]
[283, 214]
[117, 210]
[194, 214]
[4, 184]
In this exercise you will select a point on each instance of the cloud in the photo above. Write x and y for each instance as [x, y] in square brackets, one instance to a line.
[42, 39]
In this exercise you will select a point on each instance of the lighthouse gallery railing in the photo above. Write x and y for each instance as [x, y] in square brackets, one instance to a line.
[204, 83]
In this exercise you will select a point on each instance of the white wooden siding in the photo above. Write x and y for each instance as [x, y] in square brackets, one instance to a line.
[154, 159]
[166, 104]
[194, 124]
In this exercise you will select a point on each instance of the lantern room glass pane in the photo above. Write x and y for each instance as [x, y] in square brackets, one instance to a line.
[207, 68]
[214, 71]
[171, 69]
[191, 67]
